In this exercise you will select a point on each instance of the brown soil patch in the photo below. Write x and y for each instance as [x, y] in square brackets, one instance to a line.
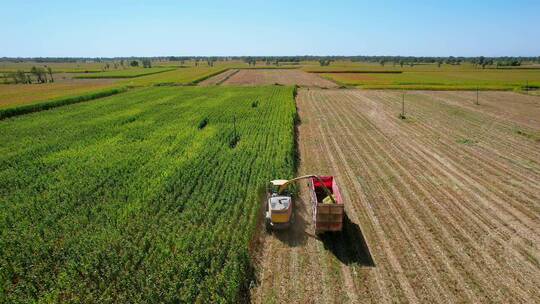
[446, 220]
[219, 78]
[278, 76]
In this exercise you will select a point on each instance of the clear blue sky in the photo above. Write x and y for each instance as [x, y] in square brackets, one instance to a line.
[253, 27]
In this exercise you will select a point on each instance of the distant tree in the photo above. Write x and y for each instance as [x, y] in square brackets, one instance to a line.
[34, 71]
[382, 62]
[134, 63]
[324, 62]
[401, 63]
[39, 73]
[50, 73]
[122, 63]
[250, 61]
[147, 63]
[19, 77]
[439, 63]
[480, 61]
[510, 62]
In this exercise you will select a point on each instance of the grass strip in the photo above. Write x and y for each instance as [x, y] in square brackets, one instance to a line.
[119, 76]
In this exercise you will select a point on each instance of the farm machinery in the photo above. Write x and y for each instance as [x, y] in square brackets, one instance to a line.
[326, 203]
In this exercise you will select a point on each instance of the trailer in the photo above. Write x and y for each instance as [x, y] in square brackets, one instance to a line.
[327, 204]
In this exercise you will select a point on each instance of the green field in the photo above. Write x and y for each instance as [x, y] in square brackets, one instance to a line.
[427, 76]
[17, 94]
[178, 76]
[14, 95]
[128, 73]
[125, 199]
[488, 79]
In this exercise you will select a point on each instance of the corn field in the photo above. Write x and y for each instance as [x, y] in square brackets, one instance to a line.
[128, 199]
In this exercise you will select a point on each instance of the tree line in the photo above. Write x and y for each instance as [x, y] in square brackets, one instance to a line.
[292, 59]
[36, 75]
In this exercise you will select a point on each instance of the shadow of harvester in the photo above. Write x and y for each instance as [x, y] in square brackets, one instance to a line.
[349, 246]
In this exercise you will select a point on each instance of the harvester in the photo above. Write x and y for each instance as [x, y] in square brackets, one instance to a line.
[326, 202]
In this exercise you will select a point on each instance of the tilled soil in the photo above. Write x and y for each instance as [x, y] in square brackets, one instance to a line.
[448, 201]
[252, 77]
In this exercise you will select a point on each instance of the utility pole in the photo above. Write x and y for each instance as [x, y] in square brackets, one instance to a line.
[402, 115]
[403, 105]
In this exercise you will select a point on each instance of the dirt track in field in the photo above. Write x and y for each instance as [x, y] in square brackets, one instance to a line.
[219, 78]
[250, 77]
[447, 200]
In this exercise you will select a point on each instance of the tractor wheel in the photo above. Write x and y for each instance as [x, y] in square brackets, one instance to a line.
[267, 225]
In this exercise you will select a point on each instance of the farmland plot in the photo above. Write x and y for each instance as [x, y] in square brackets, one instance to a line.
[441, 79]
[18, 94]
[511, 107]
[447, 201]
[148, 196]
[252, 77]
[129, 73]
[219, 78]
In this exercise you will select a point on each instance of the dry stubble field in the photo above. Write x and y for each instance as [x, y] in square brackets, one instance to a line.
[277, 76]
[447, 201]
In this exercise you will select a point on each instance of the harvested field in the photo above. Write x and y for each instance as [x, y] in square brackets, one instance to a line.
[219, 78]
[278, 76]
[447, 199]
[509, 106]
